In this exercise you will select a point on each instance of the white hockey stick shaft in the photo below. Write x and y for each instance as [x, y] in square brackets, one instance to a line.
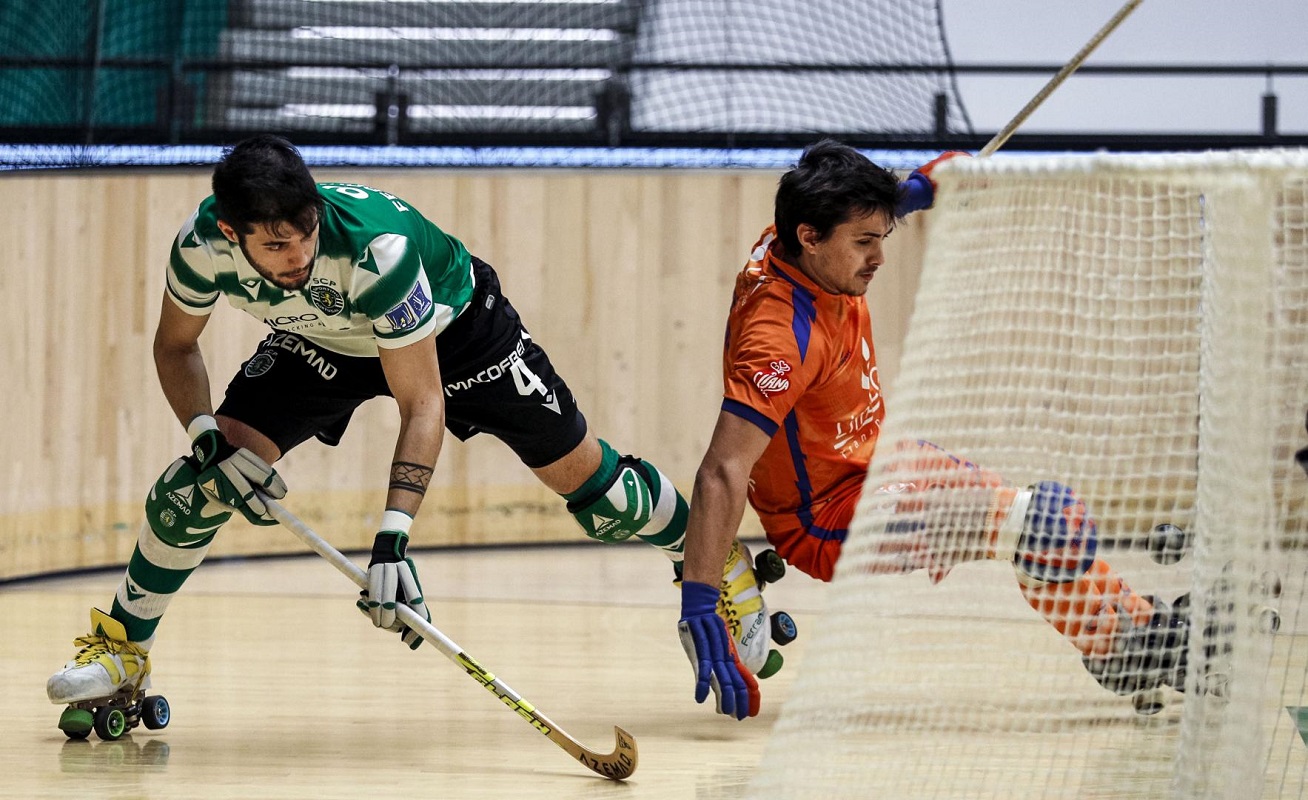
[617, 765]
[1071, 66]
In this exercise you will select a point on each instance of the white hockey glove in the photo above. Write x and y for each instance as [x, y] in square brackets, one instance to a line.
[393, 580]
[230, 475]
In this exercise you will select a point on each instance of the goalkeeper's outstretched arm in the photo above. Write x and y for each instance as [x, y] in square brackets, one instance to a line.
[716, 508]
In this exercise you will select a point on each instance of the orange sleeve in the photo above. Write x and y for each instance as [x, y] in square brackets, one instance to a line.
[771, 360]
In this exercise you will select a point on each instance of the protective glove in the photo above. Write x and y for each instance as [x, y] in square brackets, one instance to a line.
[712, 654]
[393, 580]
[934, 527]
[230, 475]
[918, 191]
[1059, 538]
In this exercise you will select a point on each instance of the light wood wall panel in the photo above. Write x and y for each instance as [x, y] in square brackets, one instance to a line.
[623, 276]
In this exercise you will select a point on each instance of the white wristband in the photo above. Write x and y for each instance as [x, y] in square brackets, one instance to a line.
[1010, 530]
[395, 520]
[201, 424]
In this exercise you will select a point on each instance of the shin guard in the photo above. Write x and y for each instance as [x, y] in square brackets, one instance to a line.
[628, 497]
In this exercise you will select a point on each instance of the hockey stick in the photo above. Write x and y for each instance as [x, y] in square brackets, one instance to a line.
[617, 765]
[1071, 66]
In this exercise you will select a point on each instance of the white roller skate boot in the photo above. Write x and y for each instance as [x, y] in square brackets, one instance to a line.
[103, 685]
[741, 605]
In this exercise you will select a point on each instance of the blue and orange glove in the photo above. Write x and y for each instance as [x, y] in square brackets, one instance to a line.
[1059, 537]
[712, 654]
[918, 191]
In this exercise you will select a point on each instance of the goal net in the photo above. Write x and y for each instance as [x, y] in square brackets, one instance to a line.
[1137, 329]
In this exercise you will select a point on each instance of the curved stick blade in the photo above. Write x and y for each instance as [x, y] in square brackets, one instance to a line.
[617, 765]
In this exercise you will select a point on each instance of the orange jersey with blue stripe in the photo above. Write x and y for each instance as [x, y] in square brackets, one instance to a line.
[799, 364]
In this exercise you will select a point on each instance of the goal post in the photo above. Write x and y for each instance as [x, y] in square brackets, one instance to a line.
[1135, 327]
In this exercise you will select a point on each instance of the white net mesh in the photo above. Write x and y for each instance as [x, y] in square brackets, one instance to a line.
[1136, 329]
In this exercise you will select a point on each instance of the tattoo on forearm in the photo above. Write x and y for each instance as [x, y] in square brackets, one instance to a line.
[410, 477]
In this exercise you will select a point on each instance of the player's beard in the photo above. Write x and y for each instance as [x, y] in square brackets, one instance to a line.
[280, 283]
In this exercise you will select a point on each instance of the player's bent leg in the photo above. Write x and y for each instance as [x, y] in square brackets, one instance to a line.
[181, 521]
[1129, 643]
[1090, 611]
[180, 525]
[627, 497]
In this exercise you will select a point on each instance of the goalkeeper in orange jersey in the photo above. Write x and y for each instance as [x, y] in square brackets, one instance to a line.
[800, 417]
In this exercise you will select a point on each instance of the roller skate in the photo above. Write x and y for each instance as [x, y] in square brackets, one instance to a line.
[741, 604]
[1168, 544]
[1161, 652]
[104, 685]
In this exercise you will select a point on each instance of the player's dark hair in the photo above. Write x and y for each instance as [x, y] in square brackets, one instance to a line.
[832, 183]
[264, 181]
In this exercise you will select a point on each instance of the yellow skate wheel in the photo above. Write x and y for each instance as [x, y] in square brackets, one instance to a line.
[76, 723]
[110, 723]
[771, 666]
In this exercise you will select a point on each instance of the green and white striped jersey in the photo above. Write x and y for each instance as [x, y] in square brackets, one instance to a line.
[383, 277]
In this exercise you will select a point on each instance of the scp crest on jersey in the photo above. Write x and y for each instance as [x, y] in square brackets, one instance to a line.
[774, 380]
[326, 299]
[261, 363]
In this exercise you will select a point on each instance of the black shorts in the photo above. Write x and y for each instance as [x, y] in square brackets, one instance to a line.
[497, 381]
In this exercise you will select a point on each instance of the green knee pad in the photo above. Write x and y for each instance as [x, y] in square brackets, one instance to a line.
[625, 497]
[178, 512]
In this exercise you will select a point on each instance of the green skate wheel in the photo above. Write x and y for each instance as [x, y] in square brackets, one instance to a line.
[110, 723]
[769, 566]
[771, 666]
[76, 723]
[155, 712]
[784, 630]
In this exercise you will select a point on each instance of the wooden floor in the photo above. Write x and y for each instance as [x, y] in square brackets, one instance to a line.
[281, 689]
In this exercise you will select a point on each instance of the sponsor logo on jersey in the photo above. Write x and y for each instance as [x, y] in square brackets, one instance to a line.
[295, 322]
[408, 313]
[418, 300]
[774, 381]
[869, 378]
[261, 363]
[326, 299]
[294, 344]
[401, 318]
[862, 425]
[492, 373]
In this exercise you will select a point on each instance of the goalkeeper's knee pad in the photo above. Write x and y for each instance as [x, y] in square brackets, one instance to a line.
[177, 510]
[1059, 537]
[632, 497]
